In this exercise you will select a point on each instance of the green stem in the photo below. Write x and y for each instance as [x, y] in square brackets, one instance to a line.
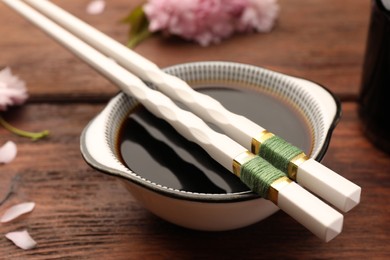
[32, 135]
[136, 39]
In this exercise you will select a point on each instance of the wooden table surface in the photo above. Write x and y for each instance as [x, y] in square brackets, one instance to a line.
[81, 213]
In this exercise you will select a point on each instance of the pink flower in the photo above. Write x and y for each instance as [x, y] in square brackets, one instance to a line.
[12, 90]
[258, 16]
[210, 21]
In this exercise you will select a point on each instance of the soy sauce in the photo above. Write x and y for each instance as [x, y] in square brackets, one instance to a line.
[153, 149]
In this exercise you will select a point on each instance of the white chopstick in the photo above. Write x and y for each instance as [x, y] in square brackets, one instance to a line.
[311, 212]
[322, 181]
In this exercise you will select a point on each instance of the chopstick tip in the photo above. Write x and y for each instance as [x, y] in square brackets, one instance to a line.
[352, 200]
[334, 229]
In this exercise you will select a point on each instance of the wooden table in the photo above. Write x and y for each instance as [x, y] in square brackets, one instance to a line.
[82, 213]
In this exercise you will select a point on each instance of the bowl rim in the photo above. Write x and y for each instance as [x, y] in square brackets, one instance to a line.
[193, 196]
[332, 126]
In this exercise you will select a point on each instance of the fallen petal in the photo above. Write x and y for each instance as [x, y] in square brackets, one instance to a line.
[8, 152]
[96, 7]
[21, 239]
[16, 211]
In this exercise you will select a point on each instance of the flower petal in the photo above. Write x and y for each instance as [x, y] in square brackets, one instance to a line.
[8, 152]
[16, 211]
[21, 239]
[13, 90]
[96, 7]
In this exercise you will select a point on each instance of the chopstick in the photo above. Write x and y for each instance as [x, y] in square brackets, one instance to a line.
[311, 212]
[309, 173]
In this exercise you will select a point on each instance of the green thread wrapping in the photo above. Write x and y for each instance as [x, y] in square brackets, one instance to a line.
[258, 175]
[278, 152]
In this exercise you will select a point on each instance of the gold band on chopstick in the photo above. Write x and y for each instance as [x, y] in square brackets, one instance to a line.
[259, 139]
[293, 165]
[240, 160]
[275, 187]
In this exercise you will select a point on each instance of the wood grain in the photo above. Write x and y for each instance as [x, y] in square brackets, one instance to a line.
[319, 40]
[84, 214]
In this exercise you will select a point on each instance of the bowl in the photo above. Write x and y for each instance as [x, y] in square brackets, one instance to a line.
[175, 179]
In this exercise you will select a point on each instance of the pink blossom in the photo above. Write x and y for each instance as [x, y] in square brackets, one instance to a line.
[258, 16]
[210, 21]
[12, 90]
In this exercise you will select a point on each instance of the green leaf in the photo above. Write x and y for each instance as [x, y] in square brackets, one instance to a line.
[139, 25]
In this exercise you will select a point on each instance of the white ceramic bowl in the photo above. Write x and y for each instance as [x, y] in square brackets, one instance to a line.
[201, 210]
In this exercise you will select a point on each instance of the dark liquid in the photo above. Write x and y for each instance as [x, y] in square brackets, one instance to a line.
[375, 92]
[153, 149]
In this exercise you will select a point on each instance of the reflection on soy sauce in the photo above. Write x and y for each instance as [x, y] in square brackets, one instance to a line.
[187, 176]
[152, 148]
